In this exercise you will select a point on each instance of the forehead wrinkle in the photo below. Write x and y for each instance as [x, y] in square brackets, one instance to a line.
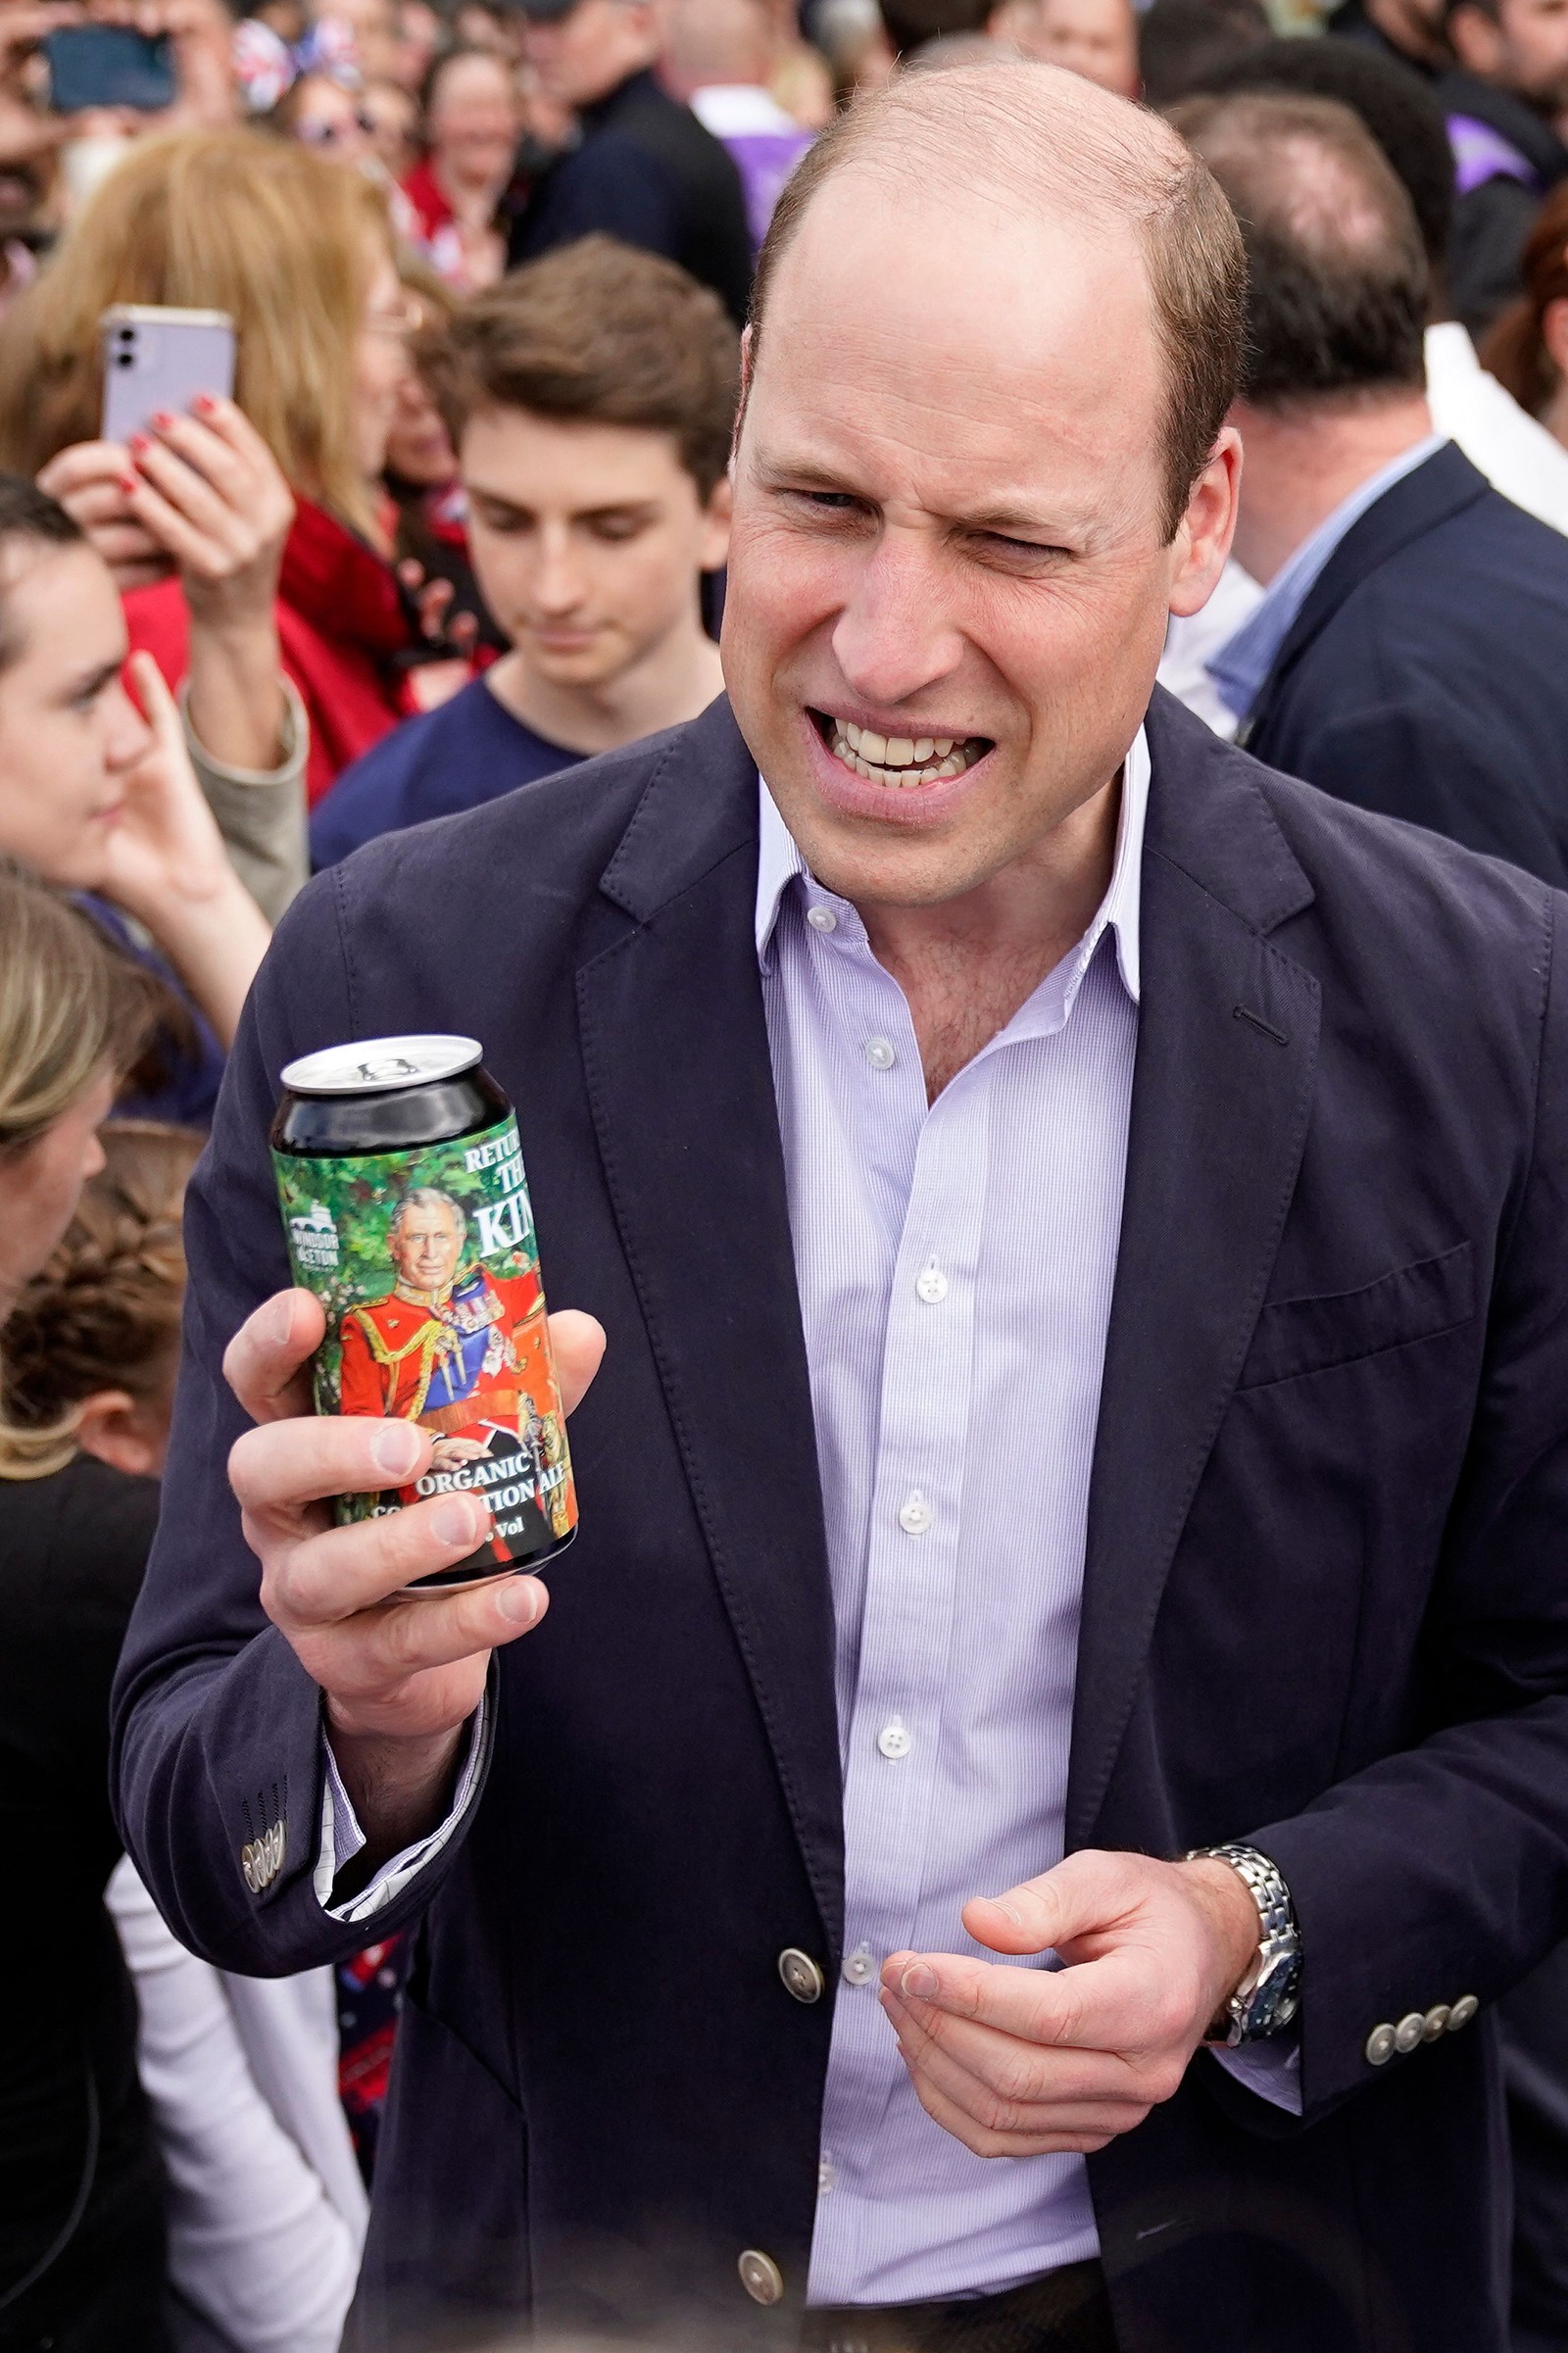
[863, 419]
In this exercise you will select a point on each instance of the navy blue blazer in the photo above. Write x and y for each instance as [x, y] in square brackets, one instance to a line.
[1324, 1609]
[1426, 675]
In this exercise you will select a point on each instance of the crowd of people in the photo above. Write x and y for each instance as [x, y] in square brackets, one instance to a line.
[461, 522]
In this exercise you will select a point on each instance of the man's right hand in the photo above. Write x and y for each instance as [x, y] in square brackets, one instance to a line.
[400, 1678]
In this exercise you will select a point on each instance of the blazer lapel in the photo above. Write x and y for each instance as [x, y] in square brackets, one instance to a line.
[680, 1084]
[1222, 1088]
[1441, 486]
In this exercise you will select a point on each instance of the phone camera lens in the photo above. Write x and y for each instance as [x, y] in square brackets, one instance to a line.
[124, 359]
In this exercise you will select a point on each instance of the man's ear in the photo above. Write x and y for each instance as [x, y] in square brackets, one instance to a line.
[1203, 536]
[715, 525]
[1475, 40]
[112, 1426]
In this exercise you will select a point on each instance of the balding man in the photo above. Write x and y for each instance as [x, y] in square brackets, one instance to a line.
[1077, 1220]
[1408, 655]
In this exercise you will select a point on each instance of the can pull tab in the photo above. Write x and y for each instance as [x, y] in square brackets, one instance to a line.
[389, 1066]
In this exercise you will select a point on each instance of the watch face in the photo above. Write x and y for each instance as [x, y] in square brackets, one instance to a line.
[1272, 2000]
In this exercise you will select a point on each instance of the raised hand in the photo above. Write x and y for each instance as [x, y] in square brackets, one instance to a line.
[402, 1677]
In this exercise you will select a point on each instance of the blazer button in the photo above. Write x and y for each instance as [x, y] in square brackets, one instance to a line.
[801, 1978]
[1464, 2009]
[760, 2276]
[1438, 2018]
[1380, 2046]
[1409, 2031]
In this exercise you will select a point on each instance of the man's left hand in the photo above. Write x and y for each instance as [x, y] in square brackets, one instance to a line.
[1030, 2061]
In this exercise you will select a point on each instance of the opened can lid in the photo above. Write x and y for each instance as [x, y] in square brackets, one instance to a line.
[379, 1066]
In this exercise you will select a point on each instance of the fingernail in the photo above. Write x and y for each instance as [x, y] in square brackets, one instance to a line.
[518, 1601]
[137, 443]
[128, 483]
[918, 1981]
[161, 419]
[395, 1450]
[456, 1521]
[1009, 1911]
[277, 1321]
[204, 403]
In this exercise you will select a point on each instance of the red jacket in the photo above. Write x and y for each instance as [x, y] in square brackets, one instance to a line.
[341, 625]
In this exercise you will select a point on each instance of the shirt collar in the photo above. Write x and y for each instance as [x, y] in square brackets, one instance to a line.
[1243, 662]
[779, 862]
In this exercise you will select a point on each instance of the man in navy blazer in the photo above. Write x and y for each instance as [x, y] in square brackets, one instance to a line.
[1408, 654]
[1268, 1100]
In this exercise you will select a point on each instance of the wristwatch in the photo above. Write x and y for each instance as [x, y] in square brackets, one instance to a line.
[1270, 1994]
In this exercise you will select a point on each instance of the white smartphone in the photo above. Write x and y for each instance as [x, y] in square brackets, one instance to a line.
[157, 358]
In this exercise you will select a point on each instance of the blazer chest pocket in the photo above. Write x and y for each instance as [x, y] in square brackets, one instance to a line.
[1311, 1335]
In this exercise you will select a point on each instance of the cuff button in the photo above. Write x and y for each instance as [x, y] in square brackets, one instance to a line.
[1437, 2024]
[1409, 2031]
[1464, 2009]
[1381, 2045]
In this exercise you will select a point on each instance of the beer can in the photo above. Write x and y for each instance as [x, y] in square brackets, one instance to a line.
[405, 1207]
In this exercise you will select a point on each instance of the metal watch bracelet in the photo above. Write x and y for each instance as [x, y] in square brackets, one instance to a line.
[1269, 1995]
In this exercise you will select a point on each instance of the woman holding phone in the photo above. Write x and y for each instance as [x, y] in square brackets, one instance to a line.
[270, 507]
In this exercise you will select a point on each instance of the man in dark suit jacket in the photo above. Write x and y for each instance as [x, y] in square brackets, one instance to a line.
[641, 167]
[1408, 655]
[1297, 1076]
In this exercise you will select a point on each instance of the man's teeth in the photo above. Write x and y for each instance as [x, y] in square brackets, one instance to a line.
[902, 759]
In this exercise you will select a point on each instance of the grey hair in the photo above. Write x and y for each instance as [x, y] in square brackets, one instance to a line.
[425, 1196]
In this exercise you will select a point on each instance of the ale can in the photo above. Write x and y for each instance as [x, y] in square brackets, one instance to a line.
[406, 1207]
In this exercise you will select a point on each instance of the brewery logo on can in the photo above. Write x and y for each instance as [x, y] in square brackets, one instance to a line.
[426, 1263]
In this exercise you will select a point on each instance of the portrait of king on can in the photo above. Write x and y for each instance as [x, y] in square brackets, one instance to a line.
[427, 1267]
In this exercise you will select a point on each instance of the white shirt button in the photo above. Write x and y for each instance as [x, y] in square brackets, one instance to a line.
[821, 918]
[894, 1740]
[881, 1053]
[826, 2176]
[915, 1514]
[860, 1966]
[932, 1284]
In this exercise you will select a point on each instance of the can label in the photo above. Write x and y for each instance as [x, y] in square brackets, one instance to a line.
[427, 1267]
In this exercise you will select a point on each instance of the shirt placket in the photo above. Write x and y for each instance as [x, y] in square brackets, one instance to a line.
[893, 1711]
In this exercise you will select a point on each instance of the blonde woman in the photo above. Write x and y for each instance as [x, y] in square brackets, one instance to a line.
[81, 2209]
[297, 250]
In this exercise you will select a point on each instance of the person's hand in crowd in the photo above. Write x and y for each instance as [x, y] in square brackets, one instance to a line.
[166, 865]
[400, 1678]
[28, 131]
[92, 480]
[1029, 2062]
[205, 493]
[433, 601]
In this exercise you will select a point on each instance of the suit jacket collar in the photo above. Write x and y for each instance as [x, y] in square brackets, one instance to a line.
[1418, 503]
[680, 1084]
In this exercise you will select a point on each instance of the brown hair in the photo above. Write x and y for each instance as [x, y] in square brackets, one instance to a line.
[104, 1311]
[71, 1007]
[285, 241]
[1336, 271]
[1514, 349]
[604, 334]
[1037, 136]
